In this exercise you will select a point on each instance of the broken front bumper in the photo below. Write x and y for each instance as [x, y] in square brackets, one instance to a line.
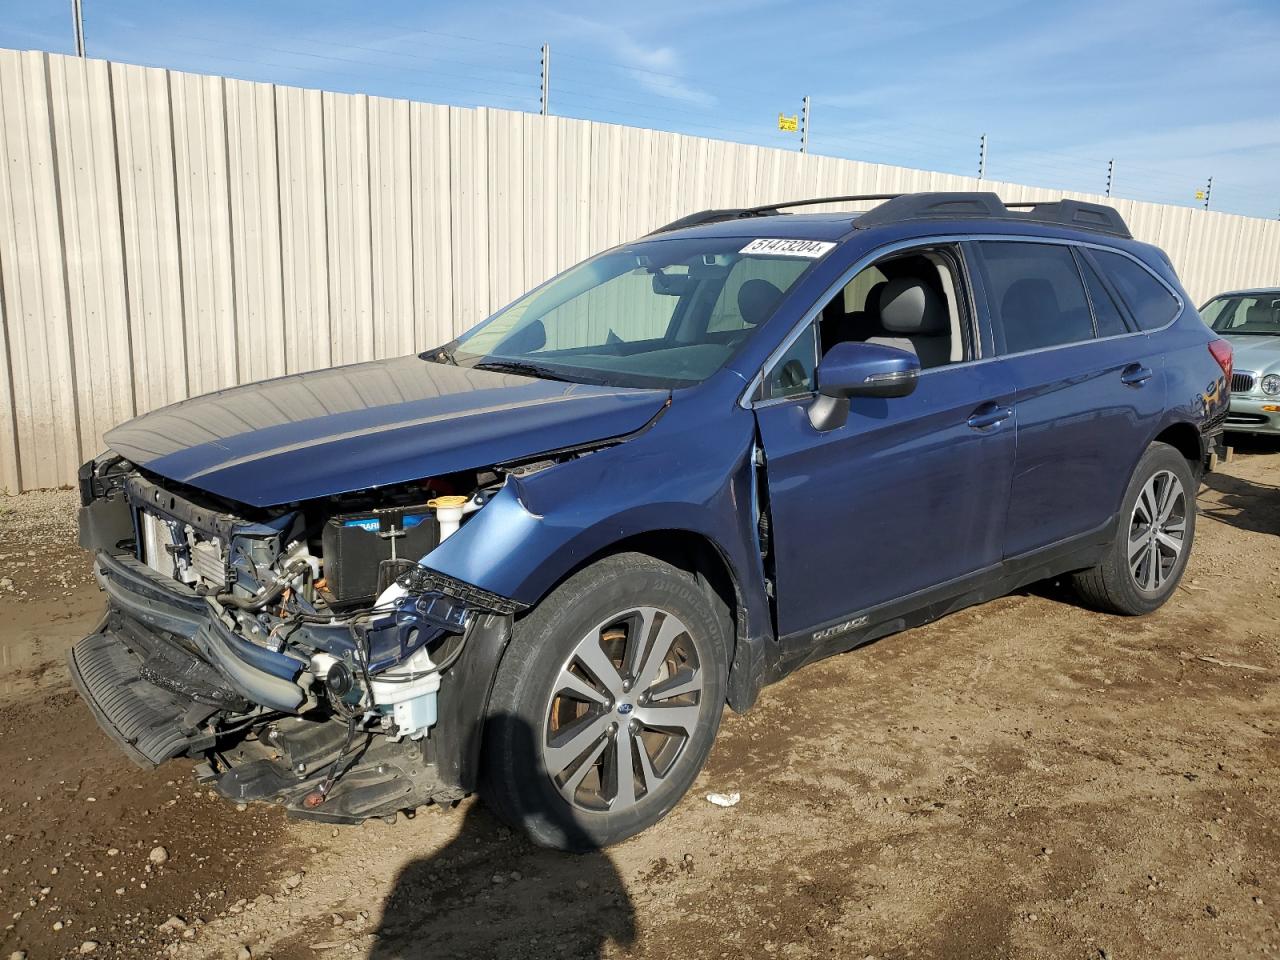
[162, 670]
[161, 664]
[159, 603]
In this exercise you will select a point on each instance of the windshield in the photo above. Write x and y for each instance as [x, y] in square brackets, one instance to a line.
[662, 313]
[1253, 315]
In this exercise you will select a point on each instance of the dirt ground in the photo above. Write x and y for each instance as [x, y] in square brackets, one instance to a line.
[1023, 779]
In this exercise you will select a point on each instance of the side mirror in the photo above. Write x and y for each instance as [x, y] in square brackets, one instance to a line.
[860, 370]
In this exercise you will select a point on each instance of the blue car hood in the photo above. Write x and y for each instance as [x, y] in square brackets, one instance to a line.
[371, 424]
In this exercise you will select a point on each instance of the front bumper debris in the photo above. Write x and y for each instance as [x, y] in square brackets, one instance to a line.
[290, 762]
[153, 601]
[166, 675]
[149, 723]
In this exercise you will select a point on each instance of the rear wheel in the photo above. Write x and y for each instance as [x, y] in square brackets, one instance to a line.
[1154, 533]
[606, 705]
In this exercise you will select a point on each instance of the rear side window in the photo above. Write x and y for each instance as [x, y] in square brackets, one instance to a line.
[1036, 292]
[1148, 300]
[1105, 312]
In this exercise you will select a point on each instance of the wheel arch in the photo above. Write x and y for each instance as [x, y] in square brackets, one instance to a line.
[689, 550]
[1186, 439]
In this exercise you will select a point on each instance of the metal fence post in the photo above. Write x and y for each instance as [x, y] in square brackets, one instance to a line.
[546, 79]
[982, 157]
[1111, 172]
[77, 23]
[804, 128]
[1208, 191]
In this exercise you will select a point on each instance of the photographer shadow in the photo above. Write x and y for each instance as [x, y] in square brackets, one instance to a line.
[491, 893]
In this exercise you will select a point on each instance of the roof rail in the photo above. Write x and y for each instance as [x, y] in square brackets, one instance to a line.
[701, 217]
[1076, 213]
[898, 207]
[985, 205]
[768, 209]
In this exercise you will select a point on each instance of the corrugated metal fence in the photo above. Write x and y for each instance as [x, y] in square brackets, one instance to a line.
[164, 234]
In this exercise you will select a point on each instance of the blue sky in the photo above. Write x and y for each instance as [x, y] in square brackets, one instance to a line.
[1174, 92]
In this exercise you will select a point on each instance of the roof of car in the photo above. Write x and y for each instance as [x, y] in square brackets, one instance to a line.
[1250, 292]
[772, 220]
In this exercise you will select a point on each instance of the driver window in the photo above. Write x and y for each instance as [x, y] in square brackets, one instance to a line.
[911, 301]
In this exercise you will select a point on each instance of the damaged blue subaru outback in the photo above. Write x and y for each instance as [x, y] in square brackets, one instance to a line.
[537, 561]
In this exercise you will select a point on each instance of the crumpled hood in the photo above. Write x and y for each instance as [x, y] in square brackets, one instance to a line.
[371, 424]
[1256, 354]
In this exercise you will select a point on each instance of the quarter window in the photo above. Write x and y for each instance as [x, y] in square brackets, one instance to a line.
[1149, 300]
[792, 374]
[1105, 312]
[1036, 291]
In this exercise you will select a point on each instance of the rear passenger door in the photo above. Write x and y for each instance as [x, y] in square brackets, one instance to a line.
[1088, 383]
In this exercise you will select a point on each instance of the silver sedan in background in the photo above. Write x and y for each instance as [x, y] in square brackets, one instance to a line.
[1250, 319]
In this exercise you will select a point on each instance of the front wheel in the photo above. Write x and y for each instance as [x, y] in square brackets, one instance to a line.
[1154, 533]
[606, 704]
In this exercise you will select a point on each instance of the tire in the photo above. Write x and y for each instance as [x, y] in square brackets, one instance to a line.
[1133, 587]
[569, 706]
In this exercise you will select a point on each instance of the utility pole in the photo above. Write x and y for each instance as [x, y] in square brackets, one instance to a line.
[804, 127]
[77, 24]
[543, 106]
[1208, 191]
[1111, 173]
[982, 157]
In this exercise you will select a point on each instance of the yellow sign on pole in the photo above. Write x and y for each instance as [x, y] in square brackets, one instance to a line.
[1199, 194]
[788, 124]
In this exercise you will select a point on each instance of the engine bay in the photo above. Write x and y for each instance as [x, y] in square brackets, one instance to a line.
[332, 591]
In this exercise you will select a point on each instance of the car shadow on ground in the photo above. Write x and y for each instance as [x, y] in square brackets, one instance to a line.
[1243, 504]
[491, 893]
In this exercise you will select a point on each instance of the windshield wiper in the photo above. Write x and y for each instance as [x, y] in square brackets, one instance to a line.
[521, 368]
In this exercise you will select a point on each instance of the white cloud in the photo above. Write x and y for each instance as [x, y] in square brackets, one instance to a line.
[656, 69]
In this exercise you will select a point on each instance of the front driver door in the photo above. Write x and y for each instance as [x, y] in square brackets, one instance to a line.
[910, 493]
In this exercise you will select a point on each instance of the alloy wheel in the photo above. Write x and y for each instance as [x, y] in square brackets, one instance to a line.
[1157, 531]
[624, 706]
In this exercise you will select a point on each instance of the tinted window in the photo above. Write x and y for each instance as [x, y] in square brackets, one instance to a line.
[1036, 291]
[1105, 312]
[1150, 302]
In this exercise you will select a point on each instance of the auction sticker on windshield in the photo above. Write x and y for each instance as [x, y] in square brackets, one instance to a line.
[812, 249]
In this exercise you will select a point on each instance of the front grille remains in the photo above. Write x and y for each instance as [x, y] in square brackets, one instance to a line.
[157, 544]
[1243, 381]
[209, 563]
[187, 558]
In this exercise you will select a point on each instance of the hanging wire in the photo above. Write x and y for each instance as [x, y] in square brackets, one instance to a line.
[474, 71]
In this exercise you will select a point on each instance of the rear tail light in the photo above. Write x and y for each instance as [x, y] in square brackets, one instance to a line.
[1221, 351]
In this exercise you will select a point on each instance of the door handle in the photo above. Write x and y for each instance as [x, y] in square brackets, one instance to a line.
[989, 415]
[1135, 375]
